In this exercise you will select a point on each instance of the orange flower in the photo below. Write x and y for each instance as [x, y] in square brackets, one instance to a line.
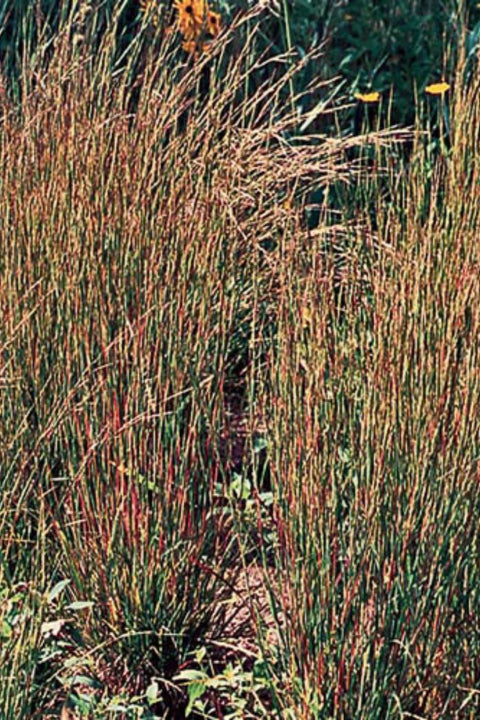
[197, 23]
[214, 23]
[191, 17]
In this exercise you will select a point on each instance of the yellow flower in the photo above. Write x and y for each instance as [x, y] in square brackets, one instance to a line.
[368, 97]
[190, 46]
[194, 47]
[191, 17]
[214, 23]
[437, 88]
[197, 23]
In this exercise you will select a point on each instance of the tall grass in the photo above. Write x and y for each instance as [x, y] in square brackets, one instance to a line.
[160, 288]
[374, 395]
[135, 289]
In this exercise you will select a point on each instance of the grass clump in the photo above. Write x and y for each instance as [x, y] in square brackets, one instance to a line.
[135, 291]
[374, 448]
[239, 459]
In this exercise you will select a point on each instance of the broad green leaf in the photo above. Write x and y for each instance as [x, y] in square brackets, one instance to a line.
[57, 589]
[80, 605]
[52, 628]
[191, 675]
[152, 692]
[195, 691]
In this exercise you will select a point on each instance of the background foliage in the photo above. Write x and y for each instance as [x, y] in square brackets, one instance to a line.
[394, 48]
